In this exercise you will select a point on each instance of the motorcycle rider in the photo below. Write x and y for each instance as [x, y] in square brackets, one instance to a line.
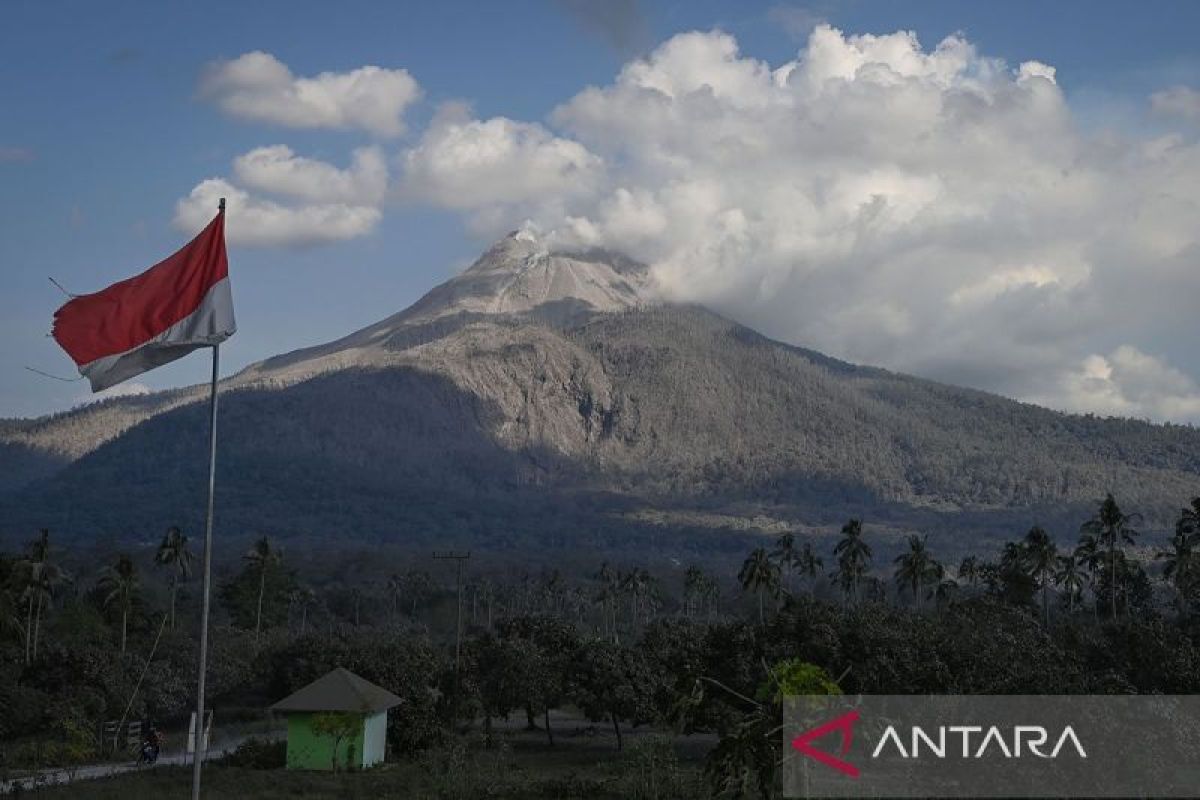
[151, 746]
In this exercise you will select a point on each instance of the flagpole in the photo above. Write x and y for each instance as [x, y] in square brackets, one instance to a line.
[200, 749]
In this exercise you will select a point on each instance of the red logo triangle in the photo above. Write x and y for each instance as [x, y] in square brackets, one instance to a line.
[845, 724]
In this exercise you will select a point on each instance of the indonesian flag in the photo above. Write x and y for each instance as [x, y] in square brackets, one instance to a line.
[176, 306]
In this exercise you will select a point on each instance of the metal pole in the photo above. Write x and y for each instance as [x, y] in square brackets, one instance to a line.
[198, 756]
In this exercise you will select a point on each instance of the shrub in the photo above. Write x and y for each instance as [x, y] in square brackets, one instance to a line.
[255, 753]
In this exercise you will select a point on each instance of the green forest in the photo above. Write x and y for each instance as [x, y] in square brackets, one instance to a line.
[677, 678]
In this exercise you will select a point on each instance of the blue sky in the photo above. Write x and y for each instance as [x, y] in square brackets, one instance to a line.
[105, 128]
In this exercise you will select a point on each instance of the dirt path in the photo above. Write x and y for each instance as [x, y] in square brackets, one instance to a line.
[63, 776]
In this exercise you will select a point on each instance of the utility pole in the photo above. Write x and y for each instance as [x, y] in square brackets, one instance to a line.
[459, 558]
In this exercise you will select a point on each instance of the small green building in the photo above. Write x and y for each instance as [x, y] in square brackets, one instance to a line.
[339, 710]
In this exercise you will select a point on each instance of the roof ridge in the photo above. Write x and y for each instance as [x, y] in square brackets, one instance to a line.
[339, 690]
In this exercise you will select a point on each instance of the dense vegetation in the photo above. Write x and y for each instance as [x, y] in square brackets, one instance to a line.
[623, 647]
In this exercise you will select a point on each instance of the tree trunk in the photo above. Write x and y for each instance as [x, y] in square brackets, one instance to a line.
[174, 587]
[1045, 601]
[549, 733]
[262, 586]
[617, 729]
[530, 725]
[124, 628]
[37, 626]
[1112, 557]
[28, 628]
[303, 618]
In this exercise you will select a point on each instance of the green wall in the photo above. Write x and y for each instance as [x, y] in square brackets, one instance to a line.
[306, 750]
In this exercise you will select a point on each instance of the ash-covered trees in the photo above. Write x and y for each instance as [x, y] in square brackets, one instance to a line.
[609, 682]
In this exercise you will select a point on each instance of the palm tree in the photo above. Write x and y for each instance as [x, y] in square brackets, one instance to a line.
[853, 557]
[173, 553]
[1189, 519]
[356, 601]
[635, 583]
[417, 584]
[395, 590]
[1182, 566]
[917, 568]
[553, 592]
[1041, 556]
[10, 614]
[761, 574]
[808, 564]
[608, 595]
[120, 583]
[302, 597]
[1090, 555]
[944, 591]
[40, 578]
[29, 586]
[1071, 576]
[262, 557]
[784, 555]
[50, 578]
[712, 596]
[1089, 552]
[487, 592]
[1112, 530]
[969, 571]
[693, 587]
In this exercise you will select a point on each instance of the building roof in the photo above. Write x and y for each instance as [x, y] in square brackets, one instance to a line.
[340, 690]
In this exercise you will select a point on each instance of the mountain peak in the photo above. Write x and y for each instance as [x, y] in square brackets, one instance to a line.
[515, 252]
[520, 275]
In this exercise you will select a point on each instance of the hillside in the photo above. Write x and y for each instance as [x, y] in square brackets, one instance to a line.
[544, 396]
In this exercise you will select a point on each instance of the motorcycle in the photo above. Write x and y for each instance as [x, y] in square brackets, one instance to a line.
[148, 754]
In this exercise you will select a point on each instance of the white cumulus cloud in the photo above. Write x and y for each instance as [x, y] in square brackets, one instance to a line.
[257, 86]
[934, 210]
[256, 221]
[1180, 101]
[278, 170]
[502, 164]
[1128, 383]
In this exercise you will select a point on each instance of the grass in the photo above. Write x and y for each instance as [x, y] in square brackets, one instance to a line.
[522, 765]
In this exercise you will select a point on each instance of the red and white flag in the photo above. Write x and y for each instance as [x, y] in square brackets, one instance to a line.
[176, 306]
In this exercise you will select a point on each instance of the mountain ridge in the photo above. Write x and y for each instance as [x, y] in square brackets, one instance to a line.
[570, 394]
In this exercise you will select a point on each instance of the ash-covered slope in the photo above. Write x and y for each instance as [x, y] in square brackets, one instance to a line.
[572, 416]
[517, 277]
